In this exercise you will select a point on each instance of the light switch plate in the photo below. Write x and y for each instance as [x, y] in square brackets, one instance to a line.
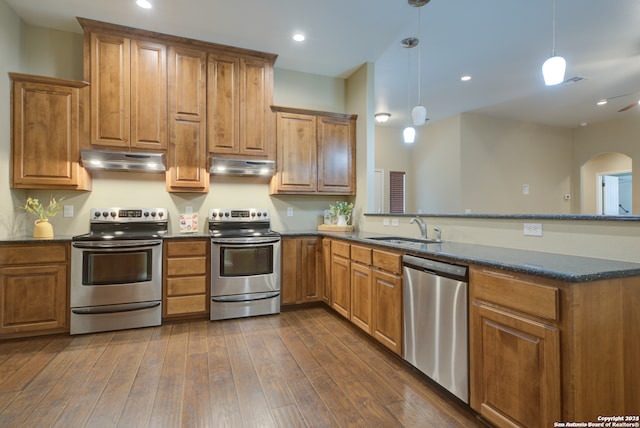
[394, 222]
[290, 212]
[385, 222]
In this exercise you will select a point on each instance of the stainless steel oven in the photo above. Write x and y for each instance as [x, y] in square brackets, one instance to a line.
[116, 270]
[245, 264]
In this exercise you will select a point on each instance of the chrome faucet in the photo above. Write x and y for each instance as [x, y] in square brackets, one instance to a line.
[438, 234]
[422, 225]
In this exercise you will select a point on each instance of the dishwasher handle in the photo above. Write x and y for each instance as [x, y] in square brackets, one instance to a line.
[435, 267]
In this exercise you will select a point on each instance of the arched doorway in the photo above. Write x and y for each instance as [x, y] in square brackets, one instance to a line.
[605, 185]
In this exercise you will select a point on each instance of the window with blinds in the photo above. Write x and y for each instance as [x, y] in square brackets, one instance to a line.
[396, 192]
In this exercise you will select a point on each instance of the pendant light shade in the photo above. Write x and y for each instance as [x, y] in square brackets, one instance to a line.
[409, 135]
[419, 115]
[553, 70]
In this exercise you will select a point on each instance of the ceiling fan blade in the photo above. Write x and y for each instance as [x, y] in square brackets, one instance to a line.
[627, 107]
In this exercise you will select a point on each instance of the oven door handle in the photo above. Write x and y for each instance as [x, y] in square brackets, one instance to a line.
[246, 297]
[117, 244]
[245, 241]
[111, 309]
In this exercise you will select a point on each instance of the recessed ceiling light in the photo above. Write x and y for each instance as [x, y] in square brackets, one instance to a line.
[298, 37]
[145, 4]
[465, 78]
[602, 102]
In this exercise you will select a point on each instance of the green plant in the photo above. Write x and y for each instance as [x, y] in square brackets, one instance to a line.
[342, 208]
[35, 207]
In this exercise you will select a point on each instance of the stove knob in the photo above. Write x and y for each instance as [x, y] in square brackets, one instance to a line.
[259, 214]
[113, 214]
[160, 214]
[226, 214]
[105, 214]
[253, 214]
[265, 214]
[146, 213]
[96, 214]
[153, 213]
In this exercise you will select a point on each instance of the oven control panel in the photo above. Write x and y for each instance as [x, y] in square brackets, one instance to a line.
[129, 215]
[239, 214]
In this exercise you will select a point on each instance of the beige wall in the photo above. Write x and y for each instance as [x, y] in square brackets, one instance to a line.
[391, 154]
[610, 163]
[499, 156]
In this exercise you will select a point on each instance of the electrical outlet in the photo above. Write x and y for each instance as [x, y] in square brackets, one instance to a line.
[290, 212]
[67, 211]
[525, 189]
[395, 222]
[385, 222]
[533, 229]
[188, 209]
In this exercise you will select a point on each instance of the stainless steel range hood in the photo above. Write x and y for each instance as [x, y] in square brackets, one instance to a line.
[123, 161]
[246, 167]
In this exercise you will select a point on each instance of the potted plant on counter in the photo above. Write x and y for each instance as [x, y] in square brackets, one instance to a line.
[42, 228]
[342, 211]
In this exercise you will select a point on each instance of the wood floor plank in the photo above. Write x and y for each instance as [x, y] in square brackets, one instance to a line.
[224, 404]
[196, 411]
[107, 410]
[167, 407]
[21, 358]
[251, 398]
[197, 337]
[139, 401]
[289, 416]
[82, 402]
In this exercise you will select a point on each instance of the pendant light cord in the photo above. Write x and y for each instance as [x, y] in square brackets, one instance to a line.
[553, 30]
[419, 59]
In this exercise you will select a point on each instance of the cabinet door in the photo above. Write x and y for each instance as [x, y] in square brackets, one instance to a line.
[336, 155]
[290, 271]
[223, 104]
[110, 90]
[515, 369]
[312, 273]
[387, 310]
[361, 296]
[296, 151]
[186, 280]
[326, 257]
[148, 95]
[33, 299]
[256, 118]
[341, 285]
[188, 170]
[45, 138]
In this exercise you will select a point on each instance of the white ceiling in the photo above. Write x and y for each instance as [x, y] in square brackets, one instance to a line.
[500, 43]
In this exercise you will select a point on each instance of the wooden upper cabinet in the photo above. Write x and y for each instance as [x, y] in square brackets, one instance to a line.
[128, 92]
[45, 131]
[296, 162]
[336, 160]
[187, 169]
[239, 95]
[315, 153]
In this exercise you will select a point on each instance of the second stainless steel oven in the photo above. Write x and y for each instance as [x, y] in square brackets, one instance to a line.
[245, 264]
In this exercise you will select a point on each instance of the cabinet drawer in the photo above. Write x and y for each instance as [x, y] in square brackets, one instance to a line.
[391, 262]
[186, 305]
[186, 286]
[361, 254]
[33, 254]
[187, 248]
[340, 248]
[516, 293]
[187, 266]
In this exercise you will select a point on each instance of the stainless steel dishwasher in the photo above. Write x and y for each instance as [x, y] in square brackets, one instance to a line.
[435, 322]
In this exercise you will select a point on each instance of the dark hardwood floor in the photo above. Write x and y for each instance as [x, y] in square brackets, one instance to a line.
[302, 368]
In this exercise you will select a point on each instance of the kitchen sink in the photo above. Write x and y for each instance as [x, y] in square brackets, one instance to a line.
[410, 242]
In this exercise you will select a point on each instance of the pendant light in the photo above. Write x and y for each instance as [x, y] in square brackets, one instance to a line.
[553, 69]
[419, 112]
[409, 133]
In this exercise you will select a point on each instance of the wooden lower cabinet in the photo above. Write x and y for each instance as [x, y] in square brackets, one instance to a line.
[545, 351]
[186, 280]
[366, 288]
[302, 270]
[34, 283]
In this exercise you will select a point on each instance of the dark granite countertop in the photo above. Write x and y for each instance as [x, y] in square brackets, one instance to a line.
[32, 240]
[549, 265]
